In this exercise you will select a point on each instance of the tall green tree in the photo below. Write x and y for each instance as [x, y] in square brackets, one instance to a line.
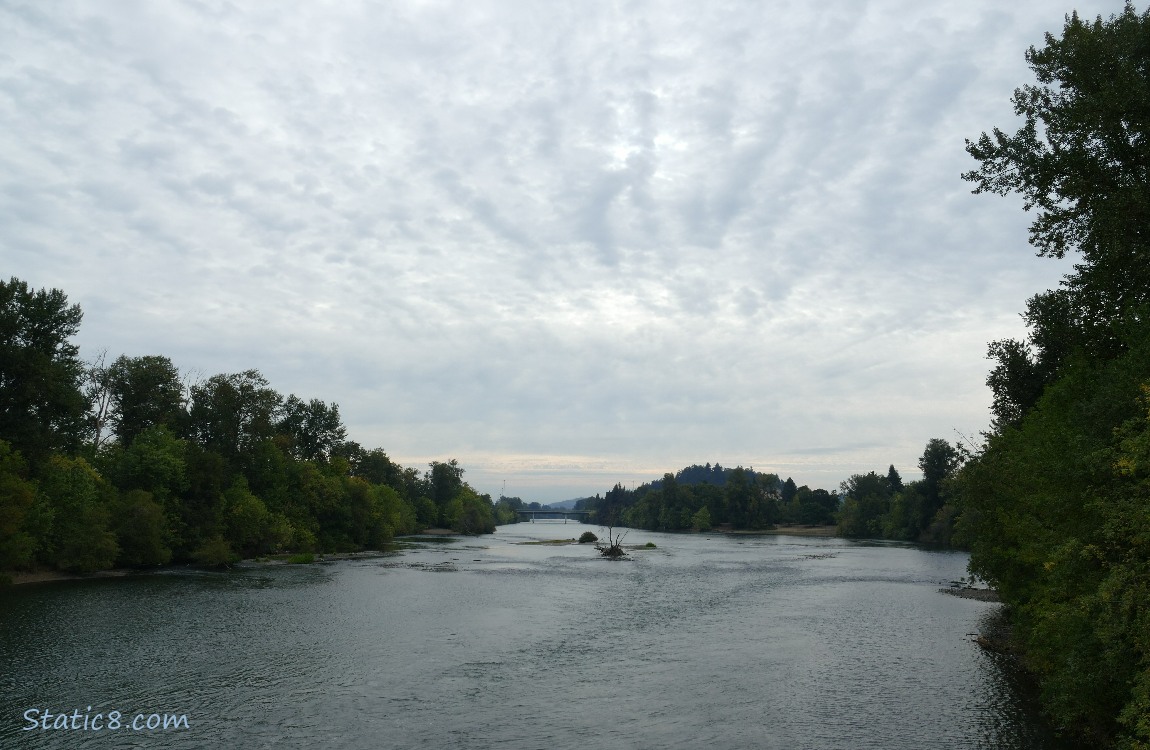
[1080, 160]
[939, 461]
[866, 500]
[445, 482]
[42, 405]
[1054, 505]
[313, 427]
[231, 413]
[894, 479]
[144, 392]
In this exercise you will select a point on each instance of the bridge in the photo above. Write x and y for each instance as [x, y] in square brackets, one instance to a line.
[553, 515]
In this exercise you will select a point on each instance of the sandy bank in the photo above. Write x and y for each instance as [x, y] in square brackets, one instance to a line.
[48, 576]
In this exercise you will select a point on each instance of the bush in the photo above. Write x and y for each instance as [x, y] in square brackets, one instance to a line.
[649, 545]
[303, 558]
[587, 537]
[215, 553]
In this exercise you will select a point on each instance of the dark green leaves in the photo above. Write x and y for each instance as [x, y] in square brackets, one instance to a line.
[41, 404]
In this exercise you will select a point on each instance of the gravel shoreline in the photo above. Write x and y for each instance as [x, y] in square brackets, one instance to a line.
[982, 595]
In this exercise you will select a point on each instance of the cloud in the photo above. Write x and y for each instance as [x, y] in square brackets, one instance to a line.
[602, 237]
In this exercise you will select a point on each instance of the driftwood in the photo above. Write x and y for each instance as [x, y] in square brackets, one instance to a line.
[612, 549]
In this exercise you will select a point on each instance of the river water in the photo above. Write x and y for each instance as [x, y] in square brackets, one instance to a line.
[706, 640]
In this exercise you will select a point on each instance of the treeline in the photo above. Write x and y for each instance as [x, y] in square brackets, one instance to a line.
[1056, 503]
[924, 511]
[868, 505]
[129, 464]
[701, 497]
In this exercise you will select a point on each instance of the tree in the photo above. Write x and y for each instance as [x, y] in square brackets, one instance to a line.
[1081, 158]
[506, 510]
[893, 478]
[79, 540]
[445, 482]
[248, 523]
[815, 507]
[470, 513]
[1055, 511]
[612, 549]
[141, 530]
[1054, 504]
[701, 521]
[738, 493]
[42, 406]
[144, 392]
[17, 500]
[314, 428]
[939, 461]
[231, 413]
[866, 499]
[154, 462]
[375, 466]
[99, 399]
[609, 514]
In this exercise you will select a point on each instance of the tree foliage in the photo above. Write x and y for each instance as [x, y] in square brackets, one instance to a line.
[156, 472]
[17, 502]
[1056, 505]
[144, 392]
[313, 428]
[1081, 159]
[42, 405]
[231, 413]
[1058, 513]
[701, 497]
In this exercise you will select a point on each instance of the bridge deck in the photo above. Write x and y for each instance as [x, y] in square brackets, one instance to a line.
[579, 515]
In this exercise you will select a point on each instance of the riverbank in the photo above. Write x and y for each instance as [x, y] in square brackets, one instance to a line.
[49, 576]
[982, 595]
[20, 578]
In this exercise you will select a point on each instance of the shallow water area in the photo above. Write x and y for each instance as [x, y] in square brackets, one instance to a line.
[484, 642]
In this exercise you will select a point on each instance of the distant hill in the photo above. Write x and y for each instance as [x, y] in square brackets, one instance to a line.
[563, 504]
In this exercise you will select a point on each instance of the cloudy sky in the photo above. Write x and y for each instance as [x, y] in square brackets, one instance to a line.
[567, 243]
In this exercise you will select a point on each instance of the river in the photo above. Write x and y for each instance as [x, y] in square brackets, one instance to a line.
[705, 640]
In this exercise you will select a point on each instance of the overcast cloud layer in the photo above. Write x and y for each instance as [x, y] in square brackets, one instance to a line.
[566, 243]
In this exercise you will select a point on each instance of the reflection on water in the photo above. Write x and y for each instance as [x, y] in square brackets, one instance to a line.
[772, 642]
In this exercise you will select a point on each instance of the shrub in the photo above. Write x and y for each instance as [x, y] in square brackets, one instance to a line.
[587, 537]
[215, 553]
